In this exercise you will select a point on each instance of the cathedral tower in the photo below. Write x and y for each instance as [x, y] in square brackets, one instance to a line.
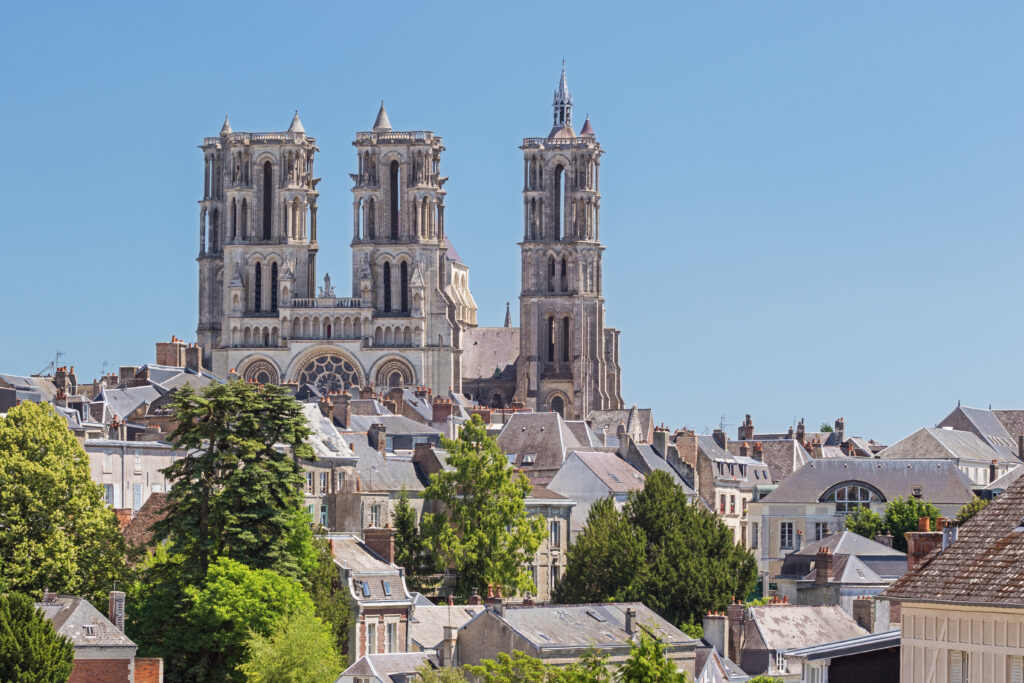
[257, 232]
[568, 360]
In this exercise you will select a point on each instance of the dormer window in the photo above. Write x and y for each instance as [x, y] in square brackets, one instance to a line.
[529, 458]
[851, 495]
[90, 630]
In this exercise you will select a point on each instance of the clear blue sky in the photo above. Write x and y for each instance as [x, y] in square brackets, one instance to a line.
[810, 209]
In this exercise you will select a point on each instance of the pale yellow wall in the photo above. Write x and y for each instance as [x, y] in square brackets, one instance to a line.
[990, 635]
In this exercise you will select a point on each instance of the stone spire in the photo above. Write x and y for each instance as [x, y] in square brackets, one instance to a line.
[587, 131]
[508, 314]
[562, 103]
[296, 126]
[382, 123]
[226, 128]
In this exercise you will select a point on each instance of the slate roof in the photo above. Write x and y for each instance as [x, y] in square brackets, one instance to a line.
[386, 473]
[489, 349]
[985, 565]
[395, 424]
[783, 456]
[600, 625]
[1003, 482]
[614, 472]
[883, 561]
[71, 614]
[394, 667]
[850, 646]
[986, 425]
[427, 626]
[544, 434]
[848, 543]
[584, 434]
[647, 460]
[43, 386]
[941, 481]
[849, 569]
[609, 421]
[1012, 421]
[941, 443]
[786, 627]
[124, 401]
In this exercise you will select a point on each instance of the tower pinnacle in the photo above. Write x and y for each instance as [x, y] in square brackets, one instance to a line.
[508, 314]
[382, 123]
[296, 126]
[226, 128]
[562, 104]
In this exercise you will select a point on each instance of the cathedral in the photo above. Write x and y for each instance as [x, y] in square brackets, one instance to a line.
[265, 314]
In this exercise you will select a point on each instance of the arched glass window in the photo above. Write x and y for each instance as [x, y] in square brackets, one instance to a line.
[395, 179]
[387, 287]
[404, 277]
[558, 405]
[551, 340]
[273, 287]
[851, 495]
[268, 198]
[565, 340]
[257, 290]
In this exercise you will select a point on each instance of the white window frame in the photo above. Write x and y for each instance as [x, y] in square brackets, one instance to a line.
[555, 534]
[783, 545]
[371, 637]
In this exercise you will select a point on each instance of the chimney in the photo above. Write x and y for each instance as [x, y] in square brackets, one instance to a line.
[822, 566]
[630, 621]
[949, 531]
[446, 655]
[127, 374]
[494, 600]
[366, 392]
[746, 430]
[800, 430]
[884, 539]
[660, 443]
[381, 541]
[735, 612]
[194, 357]
[716, 632]
[442, 410]
[390, 405]
[420, 392]
[920, 543]
[341, 408]
[862, 613]
[758, 451]
[474, 597]
[377, 436]
[744, 450]
[721, 439]
[115, 610]
[992, 472]
[840, 429]
[171, 353]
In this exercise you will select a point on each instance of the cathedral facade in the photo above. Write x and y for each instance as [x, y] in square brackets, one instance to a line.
[410, 320]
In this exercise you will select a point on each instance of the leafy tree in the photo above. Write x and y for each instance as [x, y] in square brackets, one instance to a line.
[592, 667]
[825, 427]
[483, 530]
[409, 548]
[513, 668]
[30, 650]
[446, 674]
[689, 563]
[866, 522]
[692, 628]
[300, 650]
[330, 596]
[647, 663]
[236, 495]
[608, 560]
[970, 509]
[56, 531]
[765, 679]
[901, 516]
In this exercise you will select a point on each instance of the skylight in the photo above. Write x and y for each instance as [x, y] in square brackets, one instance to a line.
[596, 615]
[387, 587]
[614, 478]
[366, 589]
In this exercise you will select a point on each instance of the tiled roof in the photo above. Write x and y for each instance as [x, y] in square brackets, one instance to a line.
[76, 619]
[545, 435]
[427, 626]
[985, 565]
[785, 627]
[614, 472]
[1012, 421]
[487, 350]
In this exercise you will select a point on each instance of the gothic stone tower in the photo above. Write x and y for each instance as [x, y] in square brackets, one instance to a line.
[568, 359]
[257, 232]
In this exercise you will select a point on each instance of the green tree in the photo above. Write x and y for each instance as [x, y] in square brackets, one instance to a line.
[825, 427]
[692, 628]
[55, 530]
[409, 550]
[607, 562]
[446, 674]
[765, 679]
[901, 515]
[689, 563]
[513, 668]
[970, 509]
[866, 522]
[300, 650]
[330, 595]
[483, 530]
[30, 650]
[647, 663]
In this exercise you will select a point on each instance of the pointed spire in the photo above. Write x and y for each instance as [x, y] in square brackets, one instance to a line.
[587, 130]
[226, 128]
[382, 123]
[563, 108]
[508, 314]
[296, 126]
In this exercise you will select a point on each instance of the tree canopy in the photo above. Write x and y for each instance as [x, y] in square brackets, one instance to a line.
[970, 509]
[299, 650]
[30, 650]
[647, 663]
[483, 528]
[675, 557]
[901, 515]
[56, 532]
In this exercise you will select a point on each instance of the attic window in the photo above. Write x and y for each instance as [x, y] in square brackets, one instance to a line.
[529, 458]
[614, 478]
[387, 587]
[596, 616]
[366, 589]
[90, 630]
[543, 636]
[916, 491]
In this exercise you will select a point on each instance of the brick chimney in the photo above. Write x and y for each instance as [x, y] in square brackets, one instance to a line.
[127, 374]
[840, 429]
[115, 610]
[660, 442]
[474, 597]
[366, 392]
[801, 431]
[341, 408]
[822, 566]
[442, 410]
[920, 543]
[863, 613]
[377, 436]
[420, 392]
[630, 621]
[758, 451]
[721, 439]
[194, 357]
[381, 541]
[735, 612]
[746, 430]
[390, 405]
[171, 353]
[884, 539]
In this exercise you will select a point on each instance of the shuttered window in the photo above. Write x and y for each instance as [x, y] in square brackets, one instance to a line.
[959, 666]
[1016, 669]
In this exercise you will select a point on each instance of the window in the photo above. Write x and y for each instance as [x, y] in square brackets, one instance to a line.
[138, 460]
[732, 505]
[392, 637]
[529, 458]
[375, 515]
[108, 493]
[387, 287]
[371, 637]
[1016, 669]
[341, 480]
[273, 287]
[785, 534]
[136, 496]
[387, 587]
[309, 482]
[849, 496]
[365, 587]
[268, 197]
[754, 532]
[780, 661]
[323, 482]
[90, 630]
[551, 340]
[556, 576]
[565, 340]
[395, 181]
[157, 488]
[820, 530]
[745, 507]
[721, 504]
[555, 537]
[403, 273]
[323, 515]
[108, 461]
[959, 666]
[257, 289]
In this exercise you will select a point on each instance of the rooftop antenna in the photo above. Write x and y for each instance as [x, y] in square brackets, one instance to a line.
[52, 366]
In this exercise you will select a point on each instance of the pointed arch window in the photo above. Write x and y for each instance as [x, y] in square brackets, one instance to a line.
[404, 278]
[565, 275]
[268, 198]
[273, 287]
[257, 290]
[371, 220]
[551, 340]
[387, 287]
[565, 340]
[559, 201]
[551, 273]
[395, 177]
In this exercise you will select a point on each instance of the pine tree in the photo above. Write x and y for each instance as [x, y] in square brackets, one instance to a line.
[483, 529]
[30, 650]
